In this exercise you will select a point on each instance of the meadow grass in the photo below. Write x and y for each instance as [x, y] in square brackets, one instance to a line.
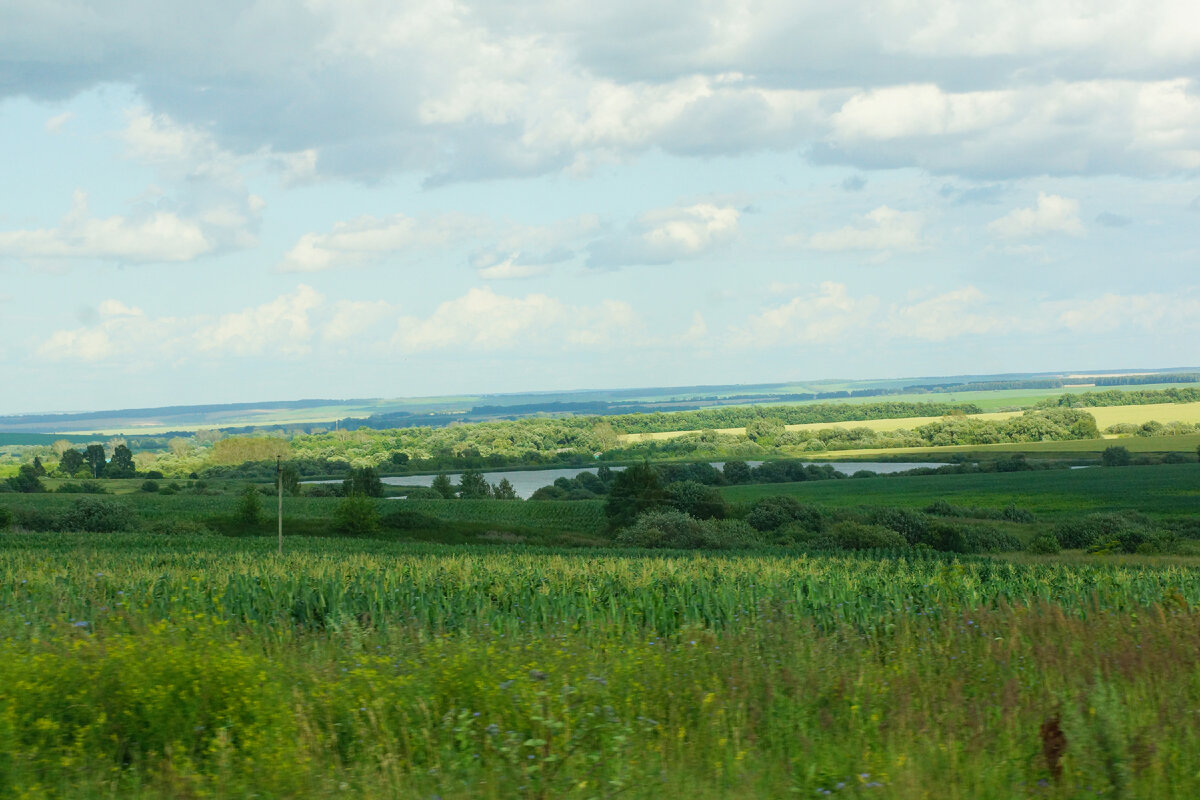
[146, 667]
[1161, 490]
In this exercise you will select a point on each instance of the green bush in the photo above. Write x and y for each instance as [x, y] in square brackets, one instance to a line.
[1115, 456]
[99, 515]
[149, 487]
[83, 487]
[6, 518]
[357, 515]
[850, 535]
[1093, 529]
[1014, 513]
[37, 519]
[249, 507]
[986, 539]
[1044, 544]
[913, 525]
[772, 513]
[404, 519]
[696, 500]
[667, 528]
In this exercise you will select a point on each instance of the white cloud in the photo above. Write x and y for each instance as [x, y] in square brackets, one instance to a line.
[944, 316]
[352, 318]
[281, 325]
[1053, 214]
[55, 124]
[885, 229]
[669, 234]
[484, 320]
[1112, 312]
[159, 236]
[372, 240]
[821, 316]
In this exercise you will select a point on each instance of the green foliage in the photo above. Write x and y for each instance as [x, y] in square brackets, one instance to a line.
[357, 515]
[443, 486]
[1115, 456]
[83, 487]
[668, 528]
[1108, 531]
[149, 486]
[405, 519]
[177, 527]
[6, 518]
[70, 462]
[364, 481]
[26, 481]
[95, 458]
[289, 475]
[696, 500]
[249, 507]
[121, 463]
[634, 491]
[99, 515]
[1044, 544]
[771, 513]
[472, 486]
[504, 490]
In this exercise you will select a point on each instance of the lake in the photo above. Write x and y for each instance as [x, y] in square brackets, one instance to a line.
[526, 482]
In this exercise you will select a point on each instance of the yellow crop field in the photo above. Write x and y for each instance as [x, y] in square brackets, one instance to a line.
[1136, 415]
[1105, 416]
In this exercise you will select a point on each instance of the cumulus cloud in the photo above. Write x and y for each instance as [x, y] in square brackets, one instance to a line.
[1052, 214]
[945, 316]
[56, 123]
[1112, 312]
[282, 325]
[156, 236]
[484, 320]
[667, 235]
[885, 229]
[371, 240]
[819, 316]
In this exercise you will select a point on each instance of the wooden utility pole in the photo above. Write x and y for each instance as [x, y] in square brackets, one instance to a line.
[279, 488]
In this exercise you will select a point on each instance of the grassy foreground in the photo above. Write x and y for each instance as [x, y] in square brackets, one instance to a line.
[138, 666]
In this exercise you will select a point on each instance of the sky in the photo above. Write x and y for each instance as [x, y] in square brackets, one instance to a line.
[237, 201]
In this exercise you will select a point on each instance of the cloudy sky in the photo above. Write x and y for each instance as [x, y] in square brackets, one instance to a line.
[226, 201]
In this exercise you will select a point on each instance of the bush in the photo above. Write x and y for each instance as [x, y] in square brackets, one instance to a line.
[357, 515]
[850, 535]
[405, 519]
[772, 513]
[83, 487]
[1014, 513]
[99, 515]
[6, 518]
[174, 526]
[249, 508]
[947, 537]
[696, 500]
[674, 529]
[913, 525]
[149, 486]
[423, 493]
[37, 519]
[986, 539]
[1115, 456]
[1044, 544]
[1102, 529]
[324, 490]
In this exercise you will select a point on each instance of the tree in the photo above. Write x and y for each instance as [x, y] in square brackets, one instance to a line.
[249, 506]
[363, 481]
[736, 472]
[1115, 456]
[121, 465]
[26, 480]
[472, 486]
[697, 500]
[290, 476]
[633, 492]
[95, 458]
[399, 459]
[357, 515]
[60, 447]
[38, 468]
[70, 462]
[504, 490]
[442, 485]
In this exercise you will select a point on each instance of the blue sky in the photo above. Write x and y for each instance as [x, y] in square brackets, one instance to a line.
[240, 201]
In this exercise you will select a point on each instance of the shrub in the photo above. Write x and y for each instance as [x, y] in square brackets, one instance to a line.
[37, 519]
[850, 535]
[249, 507]
[99, 515]
[83, 487]
[1115, 456]
[947, 537]
[986, 539]
[1105, 528]
[149, 486]
[673, 529]
[6, 518]
[772, 513]
[324, 490]
[1014, 513]
[405, 519]
[1043, 544]
[696, 500]
[913, 525]
[1175, 458]
[423, 493]
[357, 515]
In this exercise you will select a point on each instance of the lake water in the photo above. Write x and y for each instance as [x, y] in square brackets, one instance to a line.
[526, 482]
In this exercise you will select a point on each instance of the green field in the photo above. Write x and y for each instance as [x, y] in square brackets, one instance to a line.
[141, 667]
[1164, 491]
[1085, 449]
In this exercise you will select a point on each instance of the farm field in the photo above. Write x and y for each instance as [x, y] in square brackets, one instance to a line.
[142, 667]
[1105, 416]
[1084, 449]
[1162, 491]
